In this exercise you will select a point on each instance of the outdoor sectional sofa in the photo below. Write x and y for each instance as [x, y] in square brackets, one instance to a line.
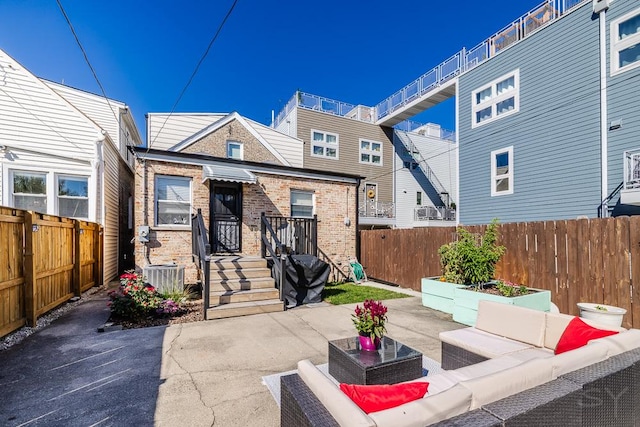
[503, 371]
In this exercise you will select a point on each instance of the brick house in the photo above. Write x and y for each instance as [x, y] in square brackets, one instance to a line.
[172, 185]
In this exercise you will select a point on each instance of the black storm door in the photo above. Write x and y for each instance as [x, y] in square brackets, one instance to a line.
[226, 217]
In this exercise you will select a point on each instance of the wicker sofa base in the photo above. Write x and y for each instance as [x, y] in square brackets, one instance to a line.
[454, 357]
[603, 394]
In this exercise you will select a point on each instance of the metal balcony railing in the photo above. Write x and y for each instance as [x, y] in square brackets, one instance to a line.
[632, 169]
[371, 209]
[432, 213]
[466, 59]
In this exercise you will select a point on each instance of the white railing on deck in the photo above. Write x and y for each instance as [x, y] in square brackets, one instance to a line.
[373, 209]
[432, 213]
[464, 60]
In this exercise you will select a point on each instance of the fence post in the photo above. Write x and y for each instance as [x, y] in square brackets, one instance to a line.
[77, 259]
[263, 233]
[315, 236]
[30, 270]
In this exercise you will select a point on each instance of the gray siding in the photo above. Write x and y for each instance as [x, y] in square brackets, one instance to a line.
[623, 95]
[349, 131]
[555, 135]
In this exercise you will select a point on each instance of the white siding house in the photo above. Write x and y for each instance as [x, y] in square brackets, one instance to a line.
[60, 152]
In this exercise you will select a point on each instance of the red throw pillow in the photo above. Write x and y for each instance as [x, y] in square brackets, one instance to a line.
[577, 333]
[373, 398]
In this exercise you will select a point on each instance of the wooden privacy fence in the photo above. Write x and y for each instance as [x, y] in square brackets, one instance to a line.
[584, 260]
[44, 261]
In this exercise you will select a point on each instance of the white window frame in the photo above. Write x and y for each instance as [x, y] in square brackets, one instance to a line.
[370, 152]
[495, 98]
[239, 144]
[495, 177]
[58, 196]
[156, 200]
[47, 194]
[619, 45]
[324, 144]
[313, 202]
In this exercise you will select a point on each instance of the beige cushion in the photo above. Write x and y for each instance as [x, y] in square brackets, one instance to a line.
[557, 323]
[510, 321]
[438, 383]
[505, 383]
[483, 343]
[573, 360]
[532, 353]
[619, 343]
[487, 367]
[425, 411]
[345, 412]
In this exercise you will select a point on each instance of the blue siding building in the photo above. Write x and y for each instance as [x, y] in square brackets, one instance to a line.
[531, 135]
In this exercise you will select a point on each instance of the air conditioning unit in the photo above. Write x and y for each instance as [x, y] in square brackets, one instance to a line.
[165, 277]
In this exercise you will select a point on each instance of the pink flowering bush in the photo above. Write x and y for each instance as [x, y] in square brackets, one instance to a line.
[136, 299]
[370, 319]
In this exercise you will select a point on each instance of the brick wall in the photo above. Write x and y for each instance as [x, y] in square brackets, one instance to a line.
[215, 144]
[333, 202]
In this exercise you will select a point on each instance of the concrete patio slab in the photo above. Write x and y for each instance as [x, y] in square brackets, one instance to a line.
[196, 374]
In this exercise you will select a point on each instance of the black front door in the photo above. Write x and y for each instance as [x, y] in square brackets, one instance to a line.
[226, 217]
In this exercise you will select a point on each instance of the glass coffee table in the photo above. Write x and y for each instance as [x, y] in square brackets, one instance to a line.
[393, 363]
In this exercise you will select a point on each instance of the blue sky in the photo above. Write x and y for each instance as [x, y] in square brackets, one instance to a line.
[144, 51]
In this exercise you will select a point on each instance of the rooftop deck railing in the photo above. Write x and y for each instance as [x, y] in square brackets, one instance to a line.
[464, 60]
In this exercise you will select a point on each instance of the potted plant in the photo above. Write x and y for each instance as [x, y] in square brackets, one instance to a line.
[369, 322]
[601, 313]
[469, 260]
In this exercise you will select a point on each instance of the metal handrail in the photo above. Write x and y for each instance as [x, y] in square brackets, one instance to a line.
[201, 250]
[278, 260]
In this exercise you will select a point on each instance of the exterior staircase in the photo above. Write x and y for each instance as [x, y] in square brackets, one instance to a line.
[241, 286]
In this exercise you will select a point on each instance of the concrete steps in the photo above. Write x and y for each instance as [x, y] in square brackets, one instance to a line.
[241, 286]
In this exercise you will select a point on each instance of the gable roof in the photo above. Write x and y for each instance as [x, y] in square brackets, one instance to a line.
[165, 130]
[264, 134]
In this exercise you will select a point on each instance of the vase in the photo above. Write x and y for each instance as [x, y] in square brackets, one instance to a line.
[367, 344]
[600, 313]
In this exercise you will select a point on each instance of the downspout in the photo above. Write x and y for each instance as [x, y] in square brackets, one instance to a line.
[145, 205]
[357, 221]
[604, 154]
[457, 198]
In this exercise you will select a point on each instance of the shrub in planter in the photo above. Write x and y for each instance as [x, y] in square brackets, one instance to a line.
[472, 259]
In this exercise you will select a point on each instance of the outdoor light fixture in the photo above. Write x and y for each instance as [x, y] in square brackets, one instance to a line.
[615, 124]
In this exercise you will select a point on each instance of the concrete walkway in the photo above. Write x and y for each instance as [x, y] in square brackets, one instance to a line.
[195, 374]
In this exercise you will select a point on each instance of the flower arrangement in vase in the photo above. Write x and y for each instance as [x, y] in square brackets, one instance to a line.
[370, 323]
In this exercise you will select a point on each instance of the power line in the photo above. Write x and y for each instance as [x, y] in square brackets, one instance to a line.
[195, 71]
[86, 58]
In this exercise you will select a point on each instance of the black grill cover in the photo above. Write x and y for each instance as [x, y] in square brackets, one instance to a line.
[305, 278]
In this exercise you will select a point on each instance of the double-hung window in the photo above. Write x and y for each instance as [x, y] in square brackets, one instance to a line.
[301, 204]
[625, 42]
[73, 196]
[234, 150]
[498, 99]
[324, 144]
[29, 191]
[370, 152]
[173, 200]
[502, 171]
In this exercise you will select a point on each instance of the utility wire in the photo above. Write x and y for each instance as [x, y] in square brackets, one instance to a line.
[195, 71]
[86, 58]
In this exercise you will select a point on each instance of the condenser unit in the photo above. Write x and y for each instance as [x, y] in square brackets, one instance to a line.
[165, 277]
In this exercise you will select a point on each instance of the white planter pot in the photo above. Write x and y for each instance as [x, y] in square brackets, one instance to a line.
[611, 316]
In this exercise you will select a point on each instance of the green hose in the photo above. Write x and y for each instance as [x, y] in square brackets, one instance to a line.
[358, 272]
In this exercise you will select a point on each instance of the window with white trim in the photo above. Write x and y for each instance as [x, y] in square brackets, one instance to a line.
[498, 99]
[625, 42]
[371, 152]
[73, 196]
[324, 144]
[173, 200]
[502, 172]
[235, 150]
[301, 204]
[29, 190]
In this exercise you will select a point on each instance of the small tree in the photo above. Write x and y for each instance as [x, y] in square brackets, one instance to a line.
[472, 259]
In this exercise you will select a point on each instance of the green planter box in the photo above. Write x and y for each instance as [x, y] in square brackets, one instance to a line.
[465, 303]
[438, 295]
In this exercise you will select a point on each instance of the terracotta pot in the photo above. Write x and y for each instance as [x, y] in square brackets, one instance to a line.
[367, 344]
